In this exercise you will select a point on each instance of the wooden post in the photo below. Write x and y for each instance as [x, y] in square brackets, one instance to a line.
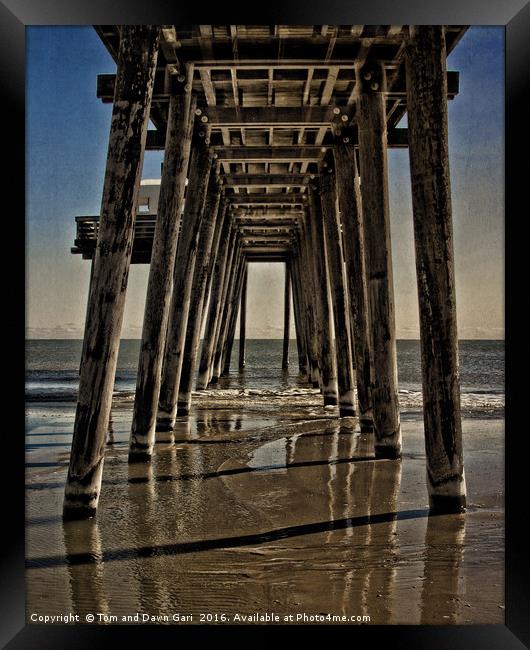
[200, 166]
[349, 196]
[243, 321]
[308, 282]
[86, 315]
[209, 221]
[137, 58]
[219, 269]
[376, 221]
[232, 320]
[223, 321]
[286, 317]
[172, 186]
[343, 347]
[300, 343]
[319, 268]
[433, 237]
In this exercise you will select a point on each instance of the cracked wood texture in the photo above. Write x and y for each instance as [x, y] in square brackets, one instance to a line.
[160, 282]
[433, 238]
[130, 114]
[374, 190]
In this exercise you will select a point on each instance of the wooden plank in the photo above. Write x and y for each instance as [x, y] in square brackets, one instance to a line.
[433, 238]
[329, 85]
[268, 199]
[262, 180]
[130, 114]
[209, 90]
[269, 115]
[294, 153]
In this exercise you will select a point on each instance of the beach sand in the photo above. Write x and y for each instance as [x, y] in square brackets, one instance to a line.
[265, 503]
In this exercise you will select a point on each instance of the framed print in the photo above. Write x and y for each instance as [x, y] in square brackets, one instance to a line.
[268, 277]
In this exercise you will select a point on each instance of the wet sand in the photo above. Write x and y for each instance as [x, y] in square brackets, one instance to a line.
[265, 504]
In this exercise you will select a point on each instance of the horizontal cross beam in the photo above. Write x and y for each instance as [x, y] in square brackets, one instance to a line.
[267, 199]
[156, 140]
[266, 180]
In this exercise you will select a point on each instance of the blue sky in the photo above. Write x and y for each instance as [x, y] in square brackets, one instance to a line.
[66, 144]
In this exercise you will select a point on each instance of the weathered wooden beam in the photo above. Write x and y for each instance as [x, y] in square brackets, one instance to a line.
[222, 322]
[209, 222]
[376, 222]
[219, 270]
[263, 180]
[286, 318]
[339, 300]
[200, 168]
[156, 314]
[310, 292]
[272, 199]
[230, 116]
[228, 331]
[270, 212]
[273, 153]
[300, 341]
[243, 321]
[348, 191]
[433, 237]
[130, 114]
[272, 116]
[328, 362]
[397, 138]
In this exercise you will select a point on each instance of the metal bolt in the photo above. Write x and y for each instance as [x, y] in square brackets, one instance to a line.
[367, 75]
[346, 140]
[181, 78]
[204, 118]
[336, 110]
[198, 111]
[344, 118]
[374, 85]
[187, 88]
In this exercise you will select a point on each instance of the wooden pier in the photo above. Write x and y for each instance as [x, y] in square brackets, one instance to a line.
[275, 146]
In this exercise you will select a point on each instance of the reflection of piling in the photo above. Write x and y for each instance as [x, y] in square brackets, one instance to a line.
[306, 203]
[444, 549]
[82, 540]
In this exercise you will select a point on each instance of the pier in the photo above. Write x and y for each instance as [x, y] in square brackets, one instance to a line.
[275, 144]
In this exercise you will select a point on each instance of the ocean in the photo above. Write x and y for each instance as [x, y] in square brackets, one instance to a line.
[52, 372]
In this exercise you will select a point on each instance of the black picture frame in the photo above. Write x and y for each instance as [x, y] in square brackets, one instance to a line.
[515, 16]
